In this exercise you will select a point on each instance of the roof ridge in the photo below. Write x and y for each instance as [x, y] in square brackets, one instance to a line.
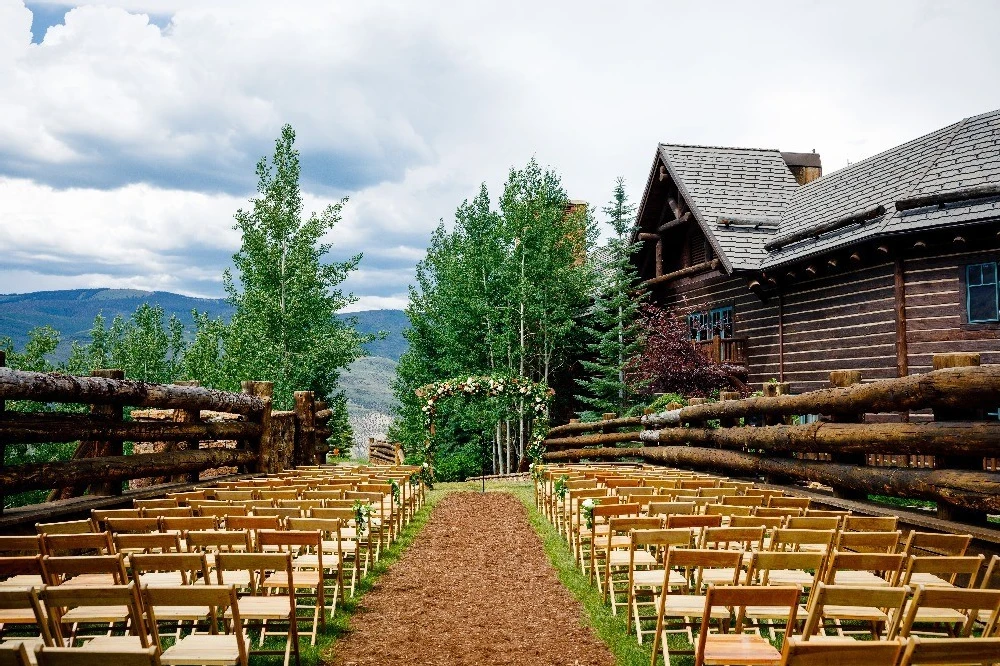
[698, 145]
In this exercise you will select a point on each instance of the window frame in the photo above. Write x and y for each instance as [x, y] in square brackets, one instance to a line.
[967, 285]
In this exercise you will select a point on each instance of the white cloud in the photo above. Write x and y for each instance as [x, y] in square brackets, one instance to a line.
[125, 148]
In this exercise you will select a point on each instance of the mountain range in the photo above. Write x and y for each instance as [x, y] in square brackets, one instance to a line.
[367, 382]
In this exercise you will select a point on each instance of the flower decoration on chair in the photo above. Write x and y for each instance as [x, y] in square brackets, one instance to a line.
[518, 392]
[587, 506]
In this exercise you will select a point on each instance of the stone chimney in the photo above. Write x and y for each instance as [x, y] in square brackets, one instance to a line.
[806, 167]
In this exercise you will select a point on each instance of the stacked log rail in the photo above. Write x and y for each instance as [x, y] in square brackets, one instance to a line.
[266, 441]
[381, 452]
[685, 438]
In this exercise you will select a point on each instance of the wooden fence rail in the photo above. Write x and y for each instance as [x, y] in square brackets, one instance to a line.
[191, 422]
[835, 450]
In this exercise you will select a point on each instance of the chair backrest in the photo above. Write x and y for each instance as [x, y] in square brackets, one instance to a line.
[21, 565]
[789, 502]
[21, 545]
[282, 513]
[887, 598]
[730, 538]
[769, 524]
[329, 528]
[950, 651]
[62, 656]
[157, 503]
[728, 510]
[826, 513]
[62, 570]
[192, 567]
[60, 599]
[159, 542]
[133, 525]
[738, 597]
[661, 539]
[793, 539]
[699, 559]
[98, 516]
[87, 543]
[26, 598]
[934, 543]
[213, 541]
[812, 523]
[603, 512]
[870, 523]
[233, 495]
[777, 512]
[887, 565]
[168, 512]
[14, 654]
[969, 601]
[224, 512]
[625, 524]
[188, 523]
[672, 508]
[211, 597]
[764, 562]
[868, 542]
[322, 494]
[66, 527]
[797, 651]
[947, 567]
[253, 523]
[695, 521]
[751, 501]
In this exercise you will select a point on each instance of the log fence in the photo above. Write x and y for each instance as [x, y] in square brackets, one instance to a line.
[950, 460]
[195, 428]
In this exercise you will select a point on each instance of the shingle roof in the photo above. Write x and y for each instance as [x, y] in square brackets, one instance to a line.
[965, 154]
[747, 183]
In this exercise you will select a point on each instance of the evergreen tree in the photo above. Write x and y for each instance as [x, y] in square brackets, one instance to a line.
[341, 433]
[285, 327]
[613, 328]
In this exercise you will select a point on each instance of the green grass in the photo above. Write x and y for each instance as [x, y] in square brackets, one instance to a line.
[904, 502]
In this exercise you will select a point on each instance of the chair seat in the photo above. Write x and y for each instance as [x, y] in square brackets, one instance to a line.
[773, 612]
[928, 580]
[619, 558]
[346, 546]
[23, 580]
[239, 578]
[944, 615]
[91, 580]
[866, 578]
[117, 643]
[690, 605]
[863, 613]
[161, 578]
[30, 644]
[181, 613]
[790, 577]
[96, 614]
[739, 649]
[203, 649]
[263, 608]
[718, 576]
[17, 616]
[654, 578]
[303, 579]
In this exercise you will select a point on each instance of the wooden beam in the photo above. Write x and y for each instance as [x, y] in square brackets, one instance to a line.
[55, 387]
[118, 468]
[826, 227]
[781, 336]
[974, 491]
[658, 249]
[676, 222]
[576, 426]
[956, 196]
[35, 428]
[899, 276]
[684, 272]
[646, 236]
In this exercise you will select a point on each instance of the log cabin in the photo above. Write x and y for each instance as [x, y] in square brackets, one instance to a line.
[790, 274]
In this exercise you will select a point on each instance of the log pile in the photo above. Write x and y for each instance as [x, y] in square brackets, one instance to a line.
[383, 452]
[833, 450]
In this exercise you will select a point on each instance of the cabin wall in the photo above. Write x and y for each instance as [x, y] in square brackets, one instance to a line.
[936, 305]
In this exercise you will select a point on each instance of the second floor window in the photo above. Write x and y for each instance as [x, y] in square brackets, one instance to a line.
[706, 325]
[981, 292]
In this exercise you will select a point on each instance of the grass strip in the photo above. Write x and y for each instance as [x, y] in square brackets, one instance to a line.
[609, 628]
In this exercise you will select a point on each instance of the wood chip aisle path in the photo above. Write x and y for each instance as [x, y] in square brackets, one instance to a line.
[475, 587]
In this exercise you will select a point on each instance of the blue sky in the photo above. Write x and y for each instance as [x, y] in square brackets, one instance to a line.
[131, 127]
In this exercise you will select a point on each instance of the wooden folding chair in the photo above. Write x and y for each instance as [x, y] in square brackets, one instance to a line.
[620, 557]
[84, 570]
[775, 502]
[876, 606]
[335, 552]
[935, 651]
[252, 525]
[355, 552]
[121, 525]
[597, 535]
[168, 512]
[67, 527]
[158, 542]
[94, 656]
[868, 542]
[740, 647]
[689, 601]
[646, 577]
[309, 574]
[797, 651]
[156, 503]
[105, 606]
[802, 540]
[86, 543]
[956, 607]
[228, 648]
[864, 569]
[15, 654]
[255, 604]
[21, 607]
[99, 516]
[746, 540]
[870, 523]
[16, 547]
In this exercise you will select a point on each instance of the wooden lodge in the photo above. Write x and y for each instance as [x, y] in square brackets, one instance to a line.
[790, 274]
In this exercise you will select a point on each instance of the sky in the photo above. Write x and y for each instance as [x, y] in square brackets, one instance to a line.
[129, 129]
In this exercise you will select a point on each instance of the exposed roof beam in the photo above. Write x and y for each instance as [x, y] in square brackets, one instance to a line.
[684, 272]
[676, 222]
[826, 227]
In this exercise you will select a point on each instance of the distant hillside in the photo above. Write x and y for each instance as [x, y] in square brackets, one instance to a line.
[72, 312]
[370, 403]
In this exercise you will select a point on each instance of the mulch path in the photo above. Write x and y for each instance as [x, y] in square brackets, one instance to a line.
[475, 587]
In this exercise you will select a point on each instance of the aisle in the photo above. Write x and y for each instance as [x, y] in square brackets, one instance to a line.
[474, 588]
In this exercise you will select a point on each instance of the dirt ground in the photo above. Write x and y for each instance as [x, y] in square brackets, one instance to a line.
[475, 587]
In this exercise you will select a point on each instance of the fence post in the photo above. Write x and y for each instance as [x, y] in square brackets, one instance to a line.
[322, 431]
[305, 428]
[186, 416]
[728, 395]
[268, 460]
[773, 390]
[945, 511]
[111, 447]
[839, 379]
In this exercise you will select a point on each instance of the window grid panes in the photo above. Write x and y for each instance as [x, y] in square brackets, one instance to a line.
[981, 288]
[706, 325]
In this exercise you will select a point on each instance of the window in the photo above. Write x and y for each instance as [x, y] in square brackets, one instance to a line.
[981, 292]
[706, 325]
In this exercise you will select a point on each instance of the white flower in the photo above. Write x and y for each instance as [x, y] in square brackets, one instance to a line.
[588, 503]
[426, 465]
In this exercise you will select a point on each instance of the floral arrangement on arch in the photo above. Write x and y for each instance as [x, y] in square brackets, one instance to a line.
[536, 398]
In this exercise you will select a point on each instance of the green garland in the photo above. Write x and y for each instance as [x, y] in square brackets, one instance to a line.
[562, 486]
[362, 516]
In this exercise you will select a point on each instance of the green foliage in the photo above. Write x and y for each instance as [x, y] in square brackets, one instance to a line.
[342, 435]
[665, 399]
[286, 295]
[614, 337]
[499, 293]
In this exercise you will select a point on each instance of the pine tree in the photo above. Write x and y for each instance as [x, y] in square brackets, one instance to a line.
[285, 327]
[612, 327]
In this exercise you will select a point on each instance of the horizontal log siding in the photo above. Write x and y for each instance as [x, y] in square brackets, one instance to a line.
[935, 305]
